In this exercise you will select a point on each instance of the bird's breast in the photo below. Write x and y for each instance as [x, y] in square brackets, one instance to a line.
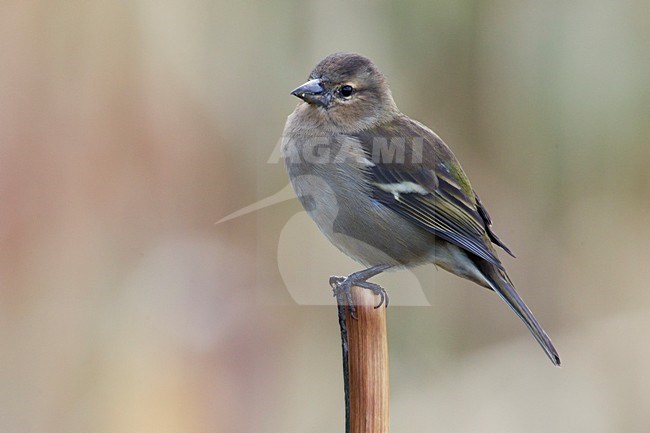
[331, 183]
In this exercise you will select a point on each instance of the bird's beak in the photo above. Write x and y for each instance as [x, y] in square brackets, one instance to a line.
[312, 92]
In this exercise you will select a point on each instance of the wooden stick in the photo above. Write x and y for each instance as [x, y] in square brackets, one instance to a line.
[368, 364]
[342, 309]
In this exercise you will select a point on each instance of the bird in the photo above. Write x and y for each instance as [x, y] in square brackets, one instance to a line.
[385, 189]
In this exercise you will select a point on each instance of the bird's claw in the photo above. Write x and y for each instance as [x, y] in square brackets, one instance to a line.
[377, 290]
[342, 288]
[343, 293]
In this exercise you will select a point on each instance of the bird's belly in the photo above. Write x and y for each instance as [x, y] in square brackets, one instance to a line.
[344, 210]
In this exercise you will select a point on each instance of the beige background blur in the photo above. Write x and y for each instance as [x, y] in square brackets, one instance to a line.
[128, 128]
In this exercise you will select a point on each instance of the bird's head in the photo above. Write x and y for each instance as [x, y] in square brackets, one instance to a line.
[347, 90]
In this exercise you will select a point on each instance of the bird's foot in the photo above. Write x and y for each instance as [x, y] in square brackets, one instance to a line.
[342, 287]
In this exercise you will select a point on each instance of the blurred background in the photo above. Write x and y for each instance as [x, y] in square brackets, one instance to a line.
[127, 129]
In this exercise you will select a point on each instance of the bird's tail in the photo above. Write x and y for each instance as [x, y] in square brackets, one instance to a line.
[502, 285]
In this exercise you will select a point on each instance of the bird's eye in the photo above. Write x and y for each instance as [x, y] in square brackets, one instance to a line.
[346, 91]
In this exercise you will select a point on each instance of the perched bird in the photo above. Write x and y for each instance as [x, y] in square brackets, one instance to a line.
[385, 189]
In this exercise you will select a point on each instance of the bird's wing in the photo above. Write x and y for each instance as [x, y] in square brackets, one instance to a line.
[488, 226]
[427, 186]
